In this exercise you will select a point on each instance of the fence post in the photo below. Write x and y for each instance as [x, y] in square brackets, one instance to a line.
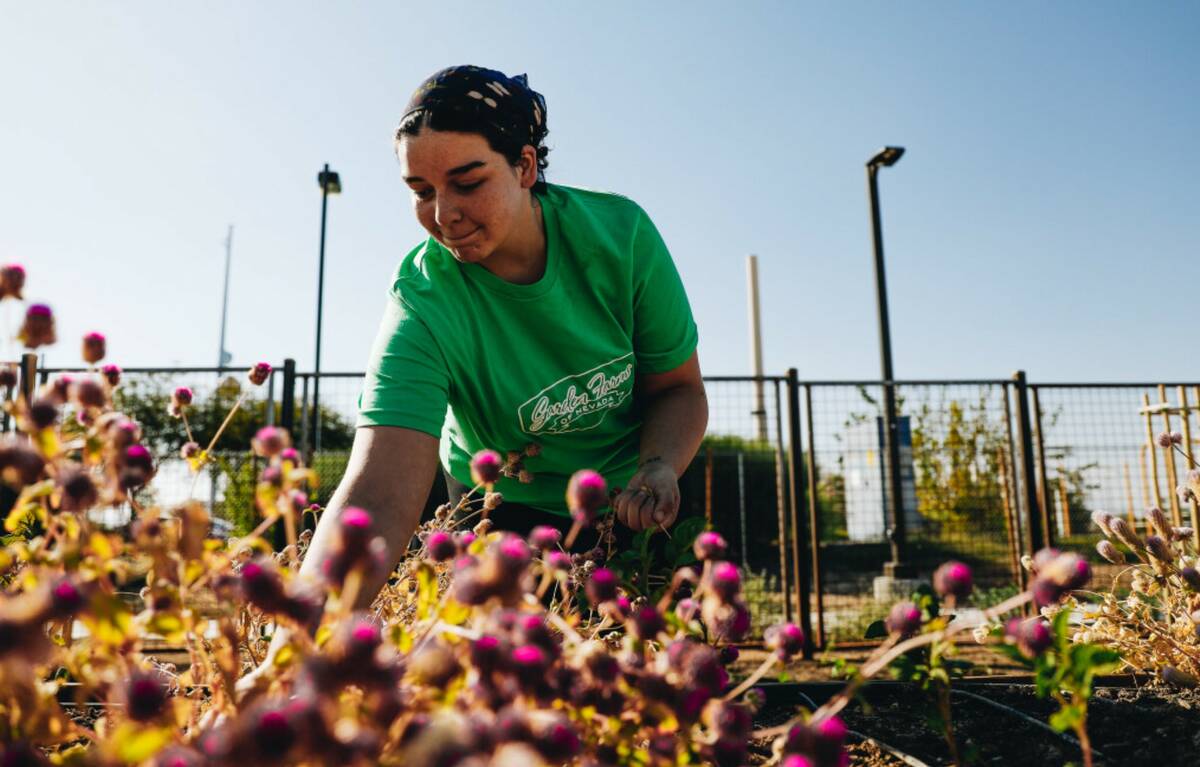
[782, 500]
[287, 420]
[1029, 498]
[814, 516]
[795, 482]
[1047, 513]
[28, 377]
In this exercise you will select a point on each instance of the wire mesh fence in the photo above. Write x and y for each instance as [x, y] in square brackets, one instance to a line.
[819, 547]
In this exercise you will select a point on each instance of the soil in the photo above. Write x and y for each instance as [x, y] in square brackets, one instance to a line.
[1128, 726]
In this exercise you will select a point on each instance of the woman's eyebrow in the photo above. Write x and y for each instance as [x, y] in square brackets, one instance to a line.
[455, 171]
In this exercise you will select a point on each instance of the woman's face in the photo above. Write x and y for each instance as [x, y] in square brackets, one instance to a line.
[464, 193]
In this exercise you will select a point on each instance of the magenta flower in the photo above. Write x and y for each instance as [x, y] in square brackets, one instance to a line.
[262, 586]
[602, 586]
[88, 393]
[258, 374]
[1032, 637]
[904, 619]
[112, 374]
[513, 554]
[12, 281]
[66, 599]
[270, 441]
[78, 491]
[725, 580]
[544, 537]
[709, 546]
[145, 696]
[648, 622]
[38, 327]
[189, 450]
[93, 348]
[290, 454]
[953, 579]
[485, 467]
[440, 546]
[587, 493]
[557, 560]
[785, 640]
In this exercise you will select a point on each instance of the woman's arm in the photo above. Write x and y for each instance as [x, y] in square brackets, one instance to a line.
[389, 474]
[676, 416]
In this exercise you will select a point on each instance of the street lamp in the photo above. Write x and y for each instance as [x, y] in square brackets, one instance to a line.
[330, 184]
[897, 568]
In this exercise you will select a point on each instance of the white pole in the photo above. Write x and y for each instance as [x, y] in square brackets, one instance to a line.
[222, 355]
[759, 413]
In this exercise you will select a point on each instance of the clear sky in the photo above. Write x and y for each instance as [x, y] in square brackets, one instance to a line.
[1044, 216]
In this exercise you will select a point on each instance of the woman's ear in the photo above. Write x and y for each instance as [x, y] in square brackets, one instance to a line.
[527, 167]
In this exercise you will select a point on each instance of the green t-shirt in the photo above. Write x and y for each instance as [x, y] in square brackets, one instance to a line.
[553, 362]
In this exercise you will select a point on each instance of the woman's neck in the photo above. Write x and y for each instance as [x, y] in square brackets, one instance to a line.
[522, 258]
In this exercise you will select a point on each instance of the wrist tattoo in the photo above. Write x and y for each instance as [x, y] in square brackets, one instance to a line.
[650, 460]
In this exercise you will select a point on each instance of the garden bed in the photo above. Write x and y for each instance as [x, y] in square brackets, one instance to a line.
[1005, 723]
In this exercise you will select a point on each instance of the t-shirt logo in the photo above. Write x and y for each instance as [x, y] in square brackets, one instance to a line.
[580, 401]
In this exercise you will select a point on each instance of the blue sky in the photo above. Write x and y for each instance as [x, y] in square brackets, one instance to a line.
[1044, 216]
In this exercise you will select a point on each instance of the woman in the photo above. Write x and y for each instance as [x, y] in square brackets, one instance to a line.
[533, 313]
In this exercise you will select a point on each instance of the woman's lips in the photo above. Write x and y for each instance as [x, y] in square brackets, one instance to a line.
[459, 240]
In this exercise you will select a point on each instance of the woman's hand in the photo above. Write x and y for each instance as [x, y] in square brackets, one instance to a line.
[651, 499]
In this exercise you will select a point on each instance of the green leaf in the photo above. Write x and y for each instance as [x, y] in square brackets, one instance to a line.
[877, 630]
[1066, 718]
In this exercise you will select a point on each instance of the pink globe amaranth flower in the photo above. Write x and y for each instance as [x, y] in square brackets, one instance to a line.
[189, 450]
[726, 621]
[587, 493]
[273, 735]
[365, 632]
[464, 540]
[1046, 591]
[290, 454]
[557, 560]
[953, 579]
[485, 467]
[796, 760]
[12, 281]
[66, 599]
[88, 393]
[43, 413]
[602, 586]
[1044, 557]
[182, 396]
[93, 348]
[647, 622]
[355, 523]
[259, 374]
[77, 490]
[261, 585]
[38, 327]
[137, 457]
[488, 653]
[544, 537]
[112, 374]
[178, 756]
[556, 740]
[687, 609]
[513, 554]
[145, 696]
[709, 546]
[725, 580]
[785, 640]
[729, 720]
[728, 654]
[1032, 637]
[440, 546]
[904, 619]
[529, 662]
[269, 441]
[1069, 571]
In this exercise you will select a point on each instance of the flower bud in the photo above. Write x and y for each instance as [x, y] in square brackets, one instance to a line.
[904, 619]
[1191, 577]
[38, 327]
[1102, 520]
[12, 281]
[556, 740]
[1110, 552]
[1158, 520]
[1126, 534]
[290, 454]
[485, 467]
[545, 538]
[1032, 636]
[439, 546]
[647, 622]
[1165, 439]
[785, 640]
[602, 586]
[88, 393]
[145, 696]
[587, 494]
[953, 579]
[258, 374]
[189, 450]
[261, 584]
[77, 490]
[1046, 591]
[726, 621]
[93, 348]
[709, 546]
[529, 662]
[1159, 549]
[725, 580]
[557, 560]
[270, 441]
[66, 599]
[1182, 534]
[112, 374]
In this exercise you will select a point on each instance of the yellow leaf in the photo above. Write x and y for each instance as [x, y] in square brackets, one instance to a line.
[18, 515]
[285, 656]
[132, 743]
[455, 613]
[401, 638]
[426, 590]
[101, 546]
[323, 635]
[168, 625]
[46, 442]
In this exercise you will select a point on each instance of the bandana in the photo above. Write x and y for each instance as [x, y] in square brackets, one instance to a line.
[506, 103]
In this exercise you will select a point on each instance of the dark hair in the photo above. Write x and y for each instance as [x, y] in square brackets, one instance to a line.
[444, 117]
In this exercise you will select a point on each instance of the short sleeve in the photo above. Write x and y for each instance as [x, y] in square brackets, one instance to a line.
[407, 382]
[664, 332]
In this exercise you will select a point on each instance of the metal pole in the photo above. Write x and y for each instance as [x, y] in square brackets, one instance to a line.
[799, 528]
[1029, 498]
[742, 501]
[891, 442]
[223, 356]
[287, 407]
[760, 412]
[316, 408]
[1043, 477]
[782, 494]
[28, 376]
[814, 515]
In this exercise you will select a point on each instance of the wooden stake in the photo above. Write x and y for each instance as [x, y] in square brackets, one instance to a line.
[1014, 553]
[1064, 506]
[1150, 449]
[1145, 482]
[1169, 460]
[1128, 492]
[1187, 451]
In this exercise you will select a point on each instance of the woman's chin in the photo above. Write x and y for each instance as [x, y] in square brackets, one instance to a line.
[468, 254]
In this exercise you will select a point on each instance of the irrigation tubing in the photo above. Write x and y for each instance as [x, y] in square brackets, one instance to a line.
[892, 751]
[1065, 736]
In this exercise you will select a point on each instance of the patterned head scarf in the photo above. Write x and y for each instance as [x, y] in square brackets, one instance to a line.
[506, 103]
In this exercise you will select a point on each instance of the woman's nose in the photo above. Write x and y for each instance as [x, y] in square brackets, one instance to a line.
[446, 211]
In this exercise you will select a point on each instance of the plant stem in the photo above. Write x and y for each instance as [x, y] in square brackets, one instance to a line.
[759, 673]
[225, 423]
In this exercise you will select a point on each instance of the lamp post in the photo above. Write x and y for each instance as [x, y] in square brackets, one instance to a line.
[330, 184]
[896, 568]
